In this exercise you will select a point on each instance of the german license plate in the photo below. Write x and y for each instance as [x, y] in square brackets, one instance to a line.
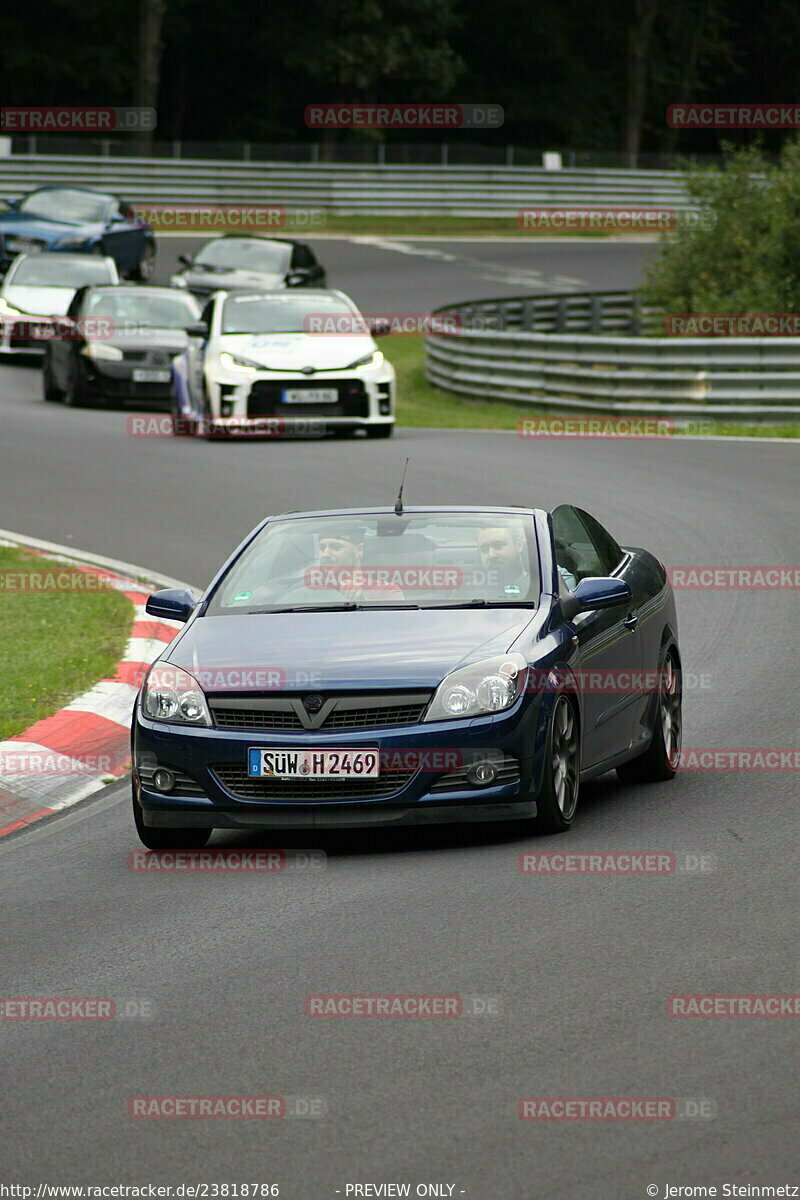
[309, 396]
[142, 375]
[313, 764]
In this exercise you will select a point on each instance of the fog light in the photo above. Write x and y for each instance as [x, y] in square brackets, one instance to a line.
[227, 408]
[163, 779]
[481, 774]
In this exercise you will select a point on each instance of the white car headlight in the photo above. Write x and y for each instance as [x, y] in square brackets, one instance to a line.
[173, 695]
[232, 362]
[102, 350]
[375, 359]
[484, 687]
[8, 310]
[178, 281]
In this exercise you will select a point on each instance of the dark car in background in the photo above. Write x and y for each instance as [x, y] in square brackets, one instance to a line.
[117, 344]
[78, 220]
[235, 261]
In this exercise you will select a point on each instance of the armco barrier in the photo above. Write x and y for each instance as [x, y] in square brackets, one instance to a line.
[347, 189]
[567, 352]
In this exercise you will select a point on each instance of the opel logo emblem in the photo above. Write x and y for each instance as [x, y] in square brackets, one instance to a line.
[313, 704]
[308, 370]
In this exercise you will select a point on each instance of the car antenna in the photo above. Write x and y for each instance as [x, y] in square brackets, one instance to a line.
[398, 508]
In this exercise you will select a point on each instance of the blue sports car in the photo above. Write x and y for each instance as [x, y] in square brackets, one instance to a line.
[81, 221]
[406, 666]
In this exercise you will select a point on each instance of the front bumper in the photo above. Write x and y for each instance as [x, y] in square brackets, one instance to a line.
[114, 381]
[422, 796]
[25, 334]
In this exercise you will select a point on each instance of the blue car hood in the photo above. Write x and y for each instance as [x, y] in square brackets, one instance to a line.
[339, 650]
[26, 225]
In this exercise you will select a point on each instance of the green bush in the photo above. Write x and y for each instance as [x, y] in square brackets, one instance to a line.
[748, 259]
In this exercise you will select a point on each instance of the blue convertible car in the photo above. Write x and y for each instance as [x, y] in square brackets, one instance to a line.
[79, 220]
[406, 666]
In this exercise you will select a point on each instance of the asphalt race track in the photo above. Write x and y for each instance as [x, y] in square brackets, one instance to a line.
[581, 966]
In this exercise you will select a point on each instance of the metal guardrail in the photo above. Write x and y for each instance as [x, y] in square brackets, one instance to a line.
[346, 189]
[576, 360]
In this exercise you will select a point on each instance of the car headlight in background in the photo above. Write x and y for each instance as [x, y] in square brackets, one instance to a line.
[70, 243]
[173, 695]
[178, 281]
[232, 362]
[485, 687]
[102, 351]
[375, 359]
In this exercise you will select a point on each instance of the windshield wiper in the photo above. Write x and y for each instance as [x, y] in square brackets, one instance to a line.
[298, 608]
[485, 604]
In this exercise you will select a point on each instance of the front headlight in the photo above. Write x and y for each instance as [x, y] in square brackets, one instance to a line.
[485, 687]
[178, 281]
[70, 243]
[375, 359]
[7, 310]
[173, 695]
[232, 362]
[102, 350]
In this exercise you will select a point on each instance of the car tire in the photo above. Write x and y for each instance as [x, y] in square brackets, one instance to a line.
[74, 394]
[168, 839]
[380, 431]
[146, 266]
[50, 392]
[557, 801]
[659, 762]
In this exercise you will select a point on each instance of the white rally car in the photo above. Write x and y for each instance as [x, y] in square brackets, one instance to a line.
[282, 361]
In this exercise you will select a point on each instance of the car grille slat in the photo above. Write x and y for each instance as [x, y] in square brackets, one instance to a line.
[349, 712]
[234, 777]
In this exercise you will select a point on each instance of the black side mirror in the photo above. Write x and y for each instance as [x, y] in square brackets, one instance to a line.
[14, 202]
[182, 258]
[172, 604]
[197, 329]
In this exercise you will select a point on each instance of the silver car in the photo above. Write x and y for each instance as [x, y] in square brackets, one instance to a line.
[39, 287]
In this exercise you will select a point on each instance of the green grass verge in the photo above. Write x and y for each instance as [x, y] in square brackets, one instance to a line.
[53, 645]
[421, 404]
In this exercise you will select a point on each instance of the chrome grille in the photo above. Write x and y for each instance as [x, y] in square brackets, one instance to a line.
[234, 777]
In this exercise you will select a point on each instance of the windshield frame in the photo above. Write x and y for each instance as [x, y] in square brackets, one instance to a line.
[482, 518]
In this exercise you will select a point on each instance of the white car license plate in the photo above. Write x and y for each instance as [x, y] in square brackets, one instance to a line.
[142, 375]
[313, 764]
[310, 396]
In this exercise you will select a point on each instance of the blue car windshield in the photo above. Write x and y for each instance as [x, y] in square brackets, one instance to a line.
[381, 560]
[65, 204]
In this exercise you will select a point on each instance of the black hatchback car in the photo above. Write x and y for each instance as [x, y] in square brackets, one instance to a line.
[238, 262]
[117, 343]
